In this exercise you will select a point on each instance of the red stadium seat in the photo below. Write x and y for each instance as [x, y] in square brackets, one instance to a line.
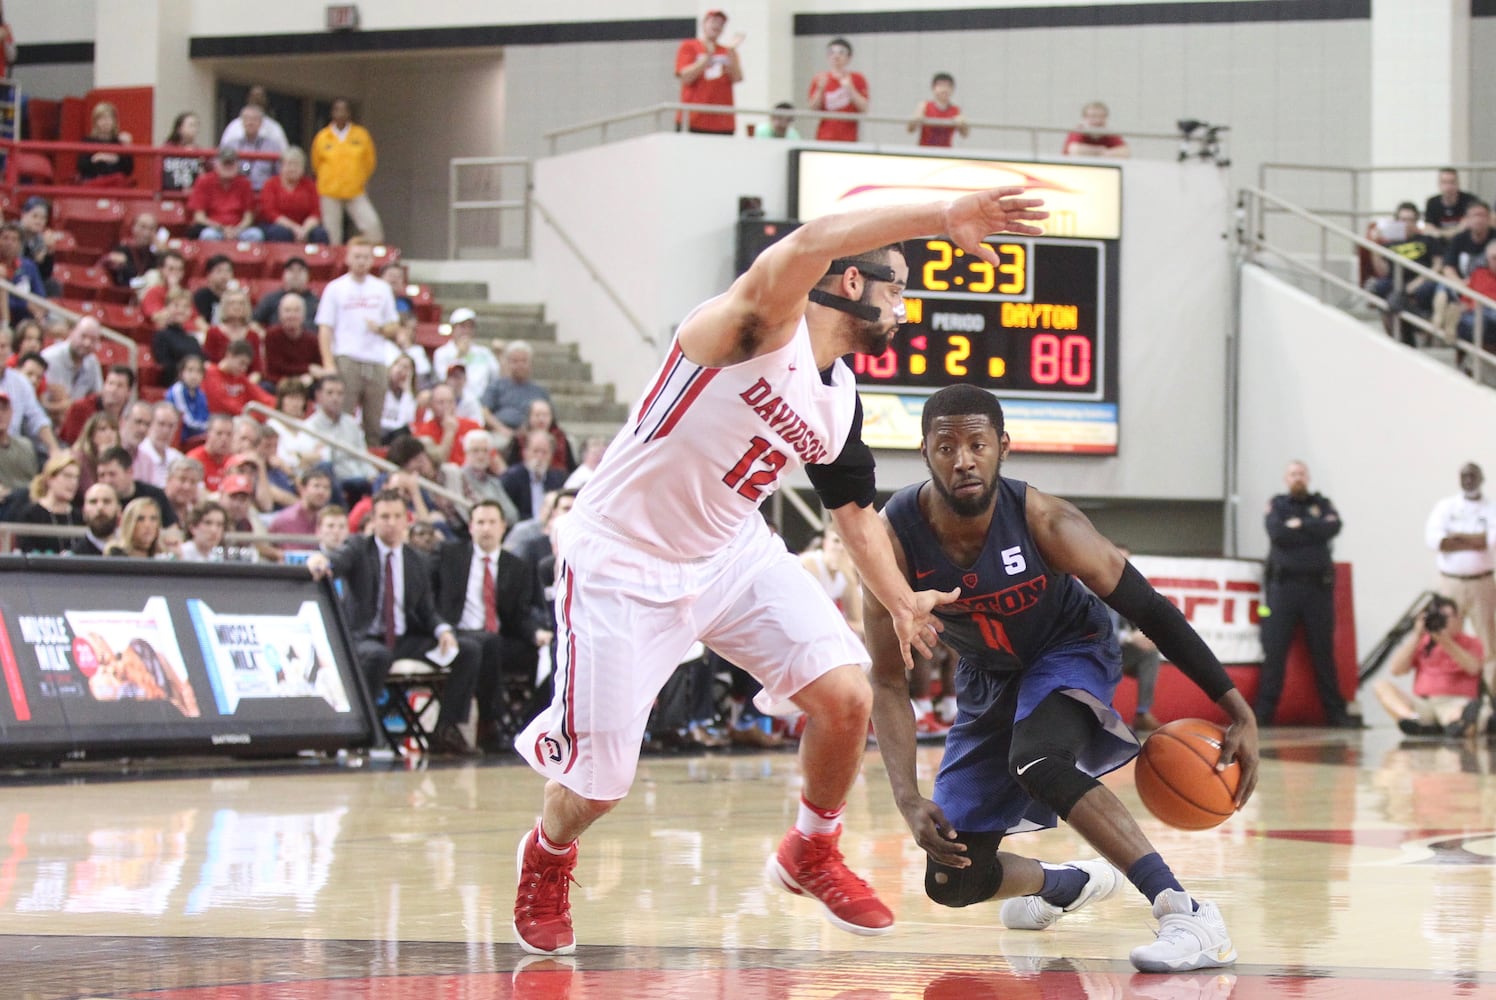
[430, 336]
[34, 168]
[384, 256]
[426, 307]
[66, 251]
[120, 318]
[112, 353]
[95, 222]
[322, 262]
[170, 213]
[80, 282]
[191, 251]
[248, 258]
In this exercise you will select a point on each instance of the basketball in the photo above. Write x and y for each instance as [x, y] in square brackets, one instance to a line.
[1177, 778]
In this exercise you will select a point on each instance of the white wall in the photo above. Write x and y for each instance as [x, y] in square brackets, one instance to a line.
[657, 215]
[1383, 430]
[36, 21]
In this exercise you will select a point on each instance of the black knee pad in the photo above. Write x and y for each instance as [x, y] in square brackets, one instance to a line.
[1054, 780]
[1042, 755]
[963, 886]
[966, 886]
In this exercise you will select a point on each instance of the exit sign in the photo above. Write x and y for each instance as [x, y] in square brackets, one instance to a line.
[342, 17]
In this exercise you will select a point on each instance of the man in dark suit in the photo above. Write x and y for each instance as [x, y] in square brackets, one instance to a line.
[392, 615]
[528, 483]
[493, 597]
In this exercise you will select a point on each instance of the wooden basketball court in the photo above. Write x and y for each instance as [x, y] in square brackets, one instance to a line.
[1364, 868]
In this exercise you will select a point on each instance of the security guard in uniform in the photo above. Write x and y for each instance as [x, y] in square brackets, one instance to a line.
[1300, 579]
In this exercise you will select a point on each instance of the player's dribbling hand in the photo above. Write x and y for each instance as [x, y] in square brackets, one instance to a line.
[1240, 745]
[970, 220]
[934, 833]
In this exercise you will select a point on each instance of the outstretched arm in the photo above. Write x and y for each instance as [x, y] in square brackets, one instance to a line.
[770, 297]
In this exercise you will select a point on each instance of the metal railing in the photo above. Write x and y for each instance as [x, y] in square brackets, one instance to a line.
[132, 350]
[1254, 206]
[1345, 192]
[488, 203]
[888, 130]
[596, 274]
[457, 499]
[145, 178]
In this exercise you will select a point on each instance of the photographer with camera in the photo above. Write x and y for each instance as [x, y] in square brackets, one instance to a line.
[1445, 662]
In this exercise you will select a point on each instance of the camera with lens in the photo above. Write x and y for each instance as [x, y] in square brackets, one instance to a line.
[1435, 617]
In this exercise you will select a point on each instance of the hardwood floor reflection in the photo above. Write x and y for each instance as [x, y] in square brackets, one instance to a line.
[1363, 867]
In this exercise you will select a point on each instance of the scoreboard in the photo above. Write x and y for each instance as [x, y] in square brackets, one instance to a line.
[1038, 328]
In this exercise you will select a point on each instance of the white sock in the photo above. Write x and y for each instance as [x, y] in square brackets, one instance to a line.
[813, 820]
[947, 707]
[546, 845]
[923, 707]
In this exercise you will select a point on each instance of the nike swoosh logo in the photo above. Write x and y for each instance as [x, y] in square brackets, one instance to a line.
[1028, 765]
[920, 576]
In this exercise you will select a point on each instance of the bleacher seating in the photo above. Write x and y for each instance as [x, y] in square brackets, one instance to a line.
[323, 262]
[248, 258]
[96, 223]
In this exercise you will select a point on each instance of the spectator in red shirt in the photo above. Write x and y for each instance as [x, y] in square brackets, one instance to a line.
[172, 273]
[291, 347]
[215, 451]
[1092, 138]
[290, 208]
[1445, 662]
[1482, 279]
[443, 426]
[229, 384]
[235, 326]
[707, 69]
[838, 89]
[223, 203]
[119, 385]
[939, 106]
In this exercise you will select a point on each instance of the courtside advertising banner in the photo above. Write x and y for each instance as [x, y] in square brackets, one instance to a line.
[116, 654]
[1219, 597]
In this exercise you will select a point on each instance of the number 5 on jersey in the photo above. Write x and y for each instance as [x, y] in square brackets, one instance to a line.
[753, 487]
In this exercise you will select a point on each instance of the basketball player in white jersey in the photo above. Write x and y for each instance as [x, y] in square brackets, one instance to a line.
[666, 546]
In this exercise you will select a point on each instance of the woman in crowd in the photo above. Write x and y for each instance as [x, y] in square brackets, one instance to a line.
[179, 173]
[205, 528]
[290, 208]
[540, 417]
[235, 322]
[106, 168]
[52, 493]
[297, 449]
[399, 400]
[100, 433]
[139, 533]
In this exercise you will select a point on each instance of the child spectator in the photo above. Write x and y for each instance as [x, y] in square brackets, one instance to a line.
[939, 106]
[1092, 138]
[172, 342]
[229, 385]
[838, 89]
[188, 398]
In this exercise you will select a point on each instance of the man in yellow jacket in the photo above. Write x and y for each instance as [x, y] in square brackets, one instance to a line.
[343, 160]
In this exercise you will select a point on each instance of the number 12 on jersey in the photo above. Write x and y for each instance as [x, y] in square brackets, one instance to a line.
[759, 452]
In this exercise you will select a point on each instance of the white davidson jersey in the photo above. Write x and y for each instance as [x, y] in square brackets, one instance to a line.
[706, 446]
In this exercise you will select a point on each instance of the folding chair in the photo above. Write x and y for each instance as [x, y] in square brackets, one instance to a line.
[415, 688]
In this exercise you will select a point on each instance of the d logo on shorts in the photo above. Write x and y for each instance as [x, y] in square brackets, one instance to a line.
[547, 750]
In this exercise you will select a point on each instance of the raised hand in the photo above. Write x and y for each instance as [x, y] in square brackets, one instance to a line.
[971, 219]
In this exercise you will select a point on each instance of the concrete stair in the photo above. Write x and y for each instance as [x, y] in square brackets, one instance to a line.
[583, 407]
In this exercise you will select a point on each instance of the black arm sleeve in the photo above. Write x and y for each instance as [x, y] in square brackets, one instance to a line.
[851, 477]
[1137, 601]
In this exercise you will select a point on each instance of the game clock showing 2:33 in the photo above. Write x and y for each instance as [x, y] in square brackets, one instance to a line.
[1041, 323]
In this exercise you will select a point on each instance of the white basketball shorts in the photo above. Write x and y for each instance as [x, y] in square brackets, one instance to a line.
[626, 618]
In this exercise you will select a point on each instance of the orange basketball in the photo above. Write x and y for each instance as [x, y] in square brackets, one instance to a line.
[1177, 777]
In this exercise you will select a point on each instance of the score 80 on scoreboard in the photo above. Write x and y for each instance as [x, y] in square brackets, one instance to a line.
[1038, 328]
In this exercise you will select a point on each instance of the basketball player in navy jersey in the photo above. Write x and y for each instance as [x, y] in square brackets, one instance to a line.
[1039, 663]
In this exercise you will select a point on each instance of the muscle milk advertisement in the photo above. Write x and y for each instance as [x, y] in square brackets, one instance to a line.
[267, 656]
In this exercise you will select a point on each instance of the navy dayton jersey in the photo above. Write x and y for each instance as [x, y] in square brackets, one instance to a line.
[1012, 608]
